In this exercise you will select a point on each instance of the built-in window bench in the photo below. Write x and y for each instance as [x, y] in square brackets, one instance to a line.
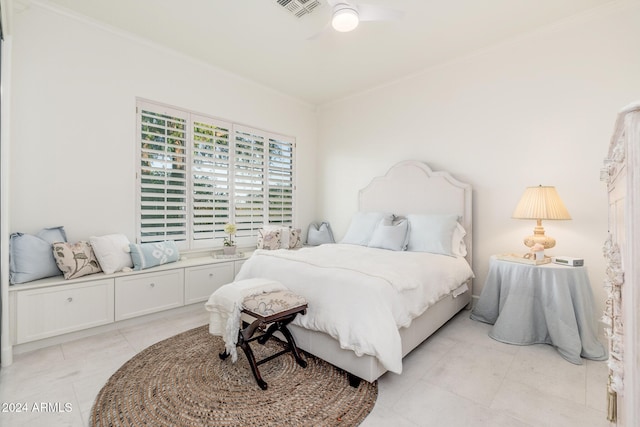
[54, 310]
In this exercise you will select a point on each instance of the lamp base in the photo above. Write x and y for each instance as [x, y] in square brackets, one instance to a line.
[546, 241]
[539, 237]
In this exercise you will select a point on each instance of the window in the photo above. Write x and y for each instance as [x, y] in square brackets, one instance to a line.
[197, 173]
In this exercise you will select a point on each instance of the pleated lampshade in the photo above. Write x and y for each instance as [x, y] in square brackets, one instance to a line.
[541, 202]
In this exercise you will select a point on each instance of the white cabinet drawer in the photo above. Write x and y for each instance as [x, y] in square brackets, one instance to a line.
[148, 293]
[43, 313]
[201, 282]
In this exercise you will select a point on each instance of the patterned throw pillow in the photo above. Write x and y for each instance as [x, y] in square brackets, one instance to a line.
[75, 259]
[147, 255]
[295, 238]
[268, 239]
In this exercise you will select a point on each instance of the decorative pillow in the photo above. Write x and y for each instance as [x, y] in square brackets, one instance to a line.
[112, 251]
[458, 246]
[52, 234]
[432, 233]
[362, 226]
[147, 255]
[392, 236]
[75, 259]
[295, 238]
[31, 257]
[319, 234]
[268, 239]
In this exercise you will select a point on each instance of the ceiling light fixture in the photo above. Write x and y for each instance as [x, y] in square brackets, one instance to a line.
[345, 18]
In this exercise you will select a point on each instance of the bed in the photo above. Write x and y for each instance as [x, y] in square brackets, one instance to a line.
[369, 307]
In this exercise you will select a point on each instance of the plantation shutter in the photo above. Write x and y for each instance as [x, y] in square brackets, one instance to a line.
[198, 173]
[249, 182]
[280, 183]
[210, 179]
[162, 174]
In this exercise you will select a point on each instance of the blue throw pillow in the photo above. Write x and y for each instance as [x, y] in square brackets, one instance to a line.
[31, 257]
[52, 234]
[393, 236]
[147, 255]
[319, 234]
[362, 226]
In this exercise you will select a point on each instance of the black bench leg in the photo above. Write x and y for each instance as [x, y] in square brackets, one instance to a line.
[292, 344]
[252, 363]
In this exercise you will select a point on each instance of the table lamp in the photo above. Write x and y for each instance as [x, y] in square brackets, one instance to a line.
[541, 202]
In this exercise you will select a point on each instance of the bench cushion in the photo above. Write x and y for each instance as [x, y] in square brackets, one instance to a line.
[270, 303]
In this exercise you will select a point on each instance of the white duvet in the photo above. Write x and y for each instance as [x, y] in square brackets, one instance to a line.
[361, 296]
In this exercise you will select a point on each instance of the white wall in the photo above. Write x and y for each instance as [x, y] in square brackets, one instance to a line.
[73, 121]
[537, 110]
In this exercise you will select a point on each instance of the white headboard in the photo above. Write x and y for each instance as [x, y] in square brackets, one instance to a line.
[411, 187]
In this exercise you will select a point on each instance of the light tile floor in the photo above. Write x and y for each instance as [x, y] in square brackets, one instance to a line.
[458, 377]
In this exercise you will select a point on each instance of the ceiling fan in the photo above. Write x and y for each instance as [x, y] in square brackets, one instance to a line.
[346, 15]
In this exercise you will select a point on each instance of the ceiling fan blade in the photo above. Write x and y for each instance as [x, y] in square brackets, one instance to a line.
[369, 12]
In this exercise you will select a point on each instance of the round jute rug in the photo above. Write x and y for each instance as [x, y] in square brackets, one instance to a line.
[181, 381]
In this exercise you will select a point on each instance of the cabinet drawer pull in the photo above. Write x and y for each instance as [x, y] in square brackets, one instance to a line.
[153, 285]
[210, 274]
[69, 299]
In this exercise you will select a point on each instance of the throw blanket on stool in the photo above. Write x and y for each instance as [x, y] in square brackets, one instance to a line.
[225, 306]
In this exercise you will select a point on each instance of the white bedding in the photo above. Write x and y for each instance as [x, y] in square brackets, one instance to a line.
[360, 296]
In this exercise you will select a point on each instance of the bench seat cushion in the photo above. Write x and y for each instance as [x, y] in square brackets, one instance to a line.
[270, 303]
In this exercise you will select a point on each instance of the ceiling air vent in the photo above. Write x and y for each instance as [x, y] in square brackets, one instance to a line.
[299, 8]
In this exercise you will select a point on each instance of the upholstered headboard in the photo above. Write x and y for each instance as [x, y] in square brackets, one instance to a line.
[411, 187]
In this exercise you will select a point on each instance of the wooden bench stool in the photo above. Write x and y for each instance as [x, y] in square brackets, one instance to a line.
[277, 308]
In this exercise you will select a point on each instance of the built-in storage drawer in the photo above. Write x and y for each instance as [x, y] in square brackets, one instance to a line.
[56, 310]
[201, 282]
[147, 293]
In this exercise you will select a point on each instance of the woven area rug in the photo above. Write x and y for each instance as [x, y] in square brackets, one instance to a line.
[181, 381]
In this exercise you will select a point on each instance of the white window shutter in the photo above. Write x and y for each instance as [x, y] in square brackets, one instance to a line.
[280, 183]
[210, 180]
[162, 174]
[248, 183]
[197, 173]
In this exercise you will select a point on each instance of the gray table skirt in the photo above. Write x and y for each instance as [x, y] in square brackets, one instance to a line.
[548, 304]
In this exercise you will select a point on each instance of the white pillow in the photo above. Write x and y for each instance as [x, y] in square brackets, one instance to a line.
[458, 246]
[390, 236]
[432, 233]
[362, 226]
[112, 252]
